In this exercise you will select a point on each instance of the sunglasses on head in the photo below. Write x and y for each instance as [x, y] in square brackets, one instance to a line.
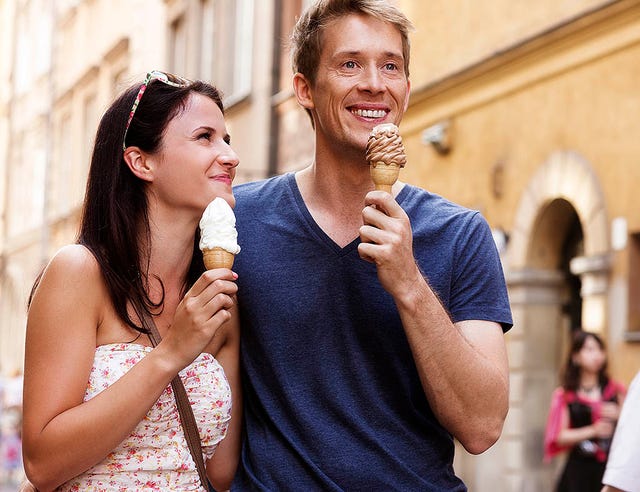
[164, 77]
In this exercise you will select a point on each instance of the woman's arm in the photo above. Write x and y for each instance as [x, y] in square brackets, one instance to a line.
[222, 466]
[62, 435]
[569, 437]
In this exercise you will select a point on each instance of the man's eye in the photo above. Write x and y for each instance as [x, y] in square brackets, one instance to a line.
[350, 64]
[391, 66]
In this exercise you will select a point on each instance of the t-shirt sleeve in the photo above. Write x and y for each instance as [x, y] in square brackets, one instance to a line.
[479, 289]
[623, 471]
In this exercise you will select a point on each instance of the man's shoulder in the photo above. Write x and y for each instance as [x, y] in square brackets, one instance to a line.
[431, 207]
[265, 196]
[415, 194]
[260, 187]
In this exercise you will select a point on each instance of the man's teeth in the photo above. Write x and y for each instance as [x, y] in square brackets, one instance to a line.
[369, 113]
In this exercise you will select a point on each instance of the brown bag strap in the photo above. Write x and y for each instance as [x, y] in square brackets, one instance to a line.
[187, 418]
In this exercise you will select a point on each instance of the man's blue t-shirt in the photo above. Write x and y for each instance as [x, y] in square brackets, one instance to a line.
[332, 397]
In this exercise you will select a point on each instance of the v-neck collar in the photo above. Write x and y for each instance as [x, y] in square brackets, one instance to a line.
[316, 229]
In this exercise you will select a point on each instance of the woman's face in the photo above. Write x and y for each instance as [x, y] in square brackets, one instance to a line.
[195, 163]
[590, 357]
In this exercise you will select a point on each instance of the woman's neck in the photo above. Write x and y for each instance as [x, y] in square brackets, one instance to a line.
[589, 382]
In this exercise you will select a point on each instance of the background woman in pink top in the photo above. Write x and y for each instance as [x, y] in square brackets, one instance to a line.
[583, 414]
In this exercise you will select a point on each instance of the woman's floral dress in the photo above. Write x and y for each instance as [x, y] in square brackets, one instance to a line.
[156, 456]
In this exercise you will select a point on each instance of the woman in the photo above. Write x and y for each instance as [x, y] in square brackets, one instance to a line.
[584, 411]
[98, 412]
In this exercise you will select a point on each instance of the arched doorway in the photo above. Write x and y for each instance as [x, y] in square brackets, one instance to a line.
[557, 238]
[556, 271]
[553, 310]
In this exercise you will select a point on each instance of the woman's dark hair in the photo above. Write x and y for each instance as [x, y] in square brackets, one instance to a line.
[115, 217]
[571, 373]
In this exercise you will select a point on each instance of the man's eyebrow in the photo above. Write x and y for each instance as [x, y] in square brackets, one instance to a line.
[388, 54]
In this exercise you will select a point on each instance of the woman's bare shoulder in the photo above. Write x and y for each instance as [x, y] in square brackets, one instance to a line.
[75, 257]
[73, 270]
[68, 298]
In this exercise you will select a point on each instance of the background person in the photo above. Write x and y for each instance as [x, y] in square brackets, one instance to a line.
[623, 466]
[99, 413]
[372, 324]
[583, 414]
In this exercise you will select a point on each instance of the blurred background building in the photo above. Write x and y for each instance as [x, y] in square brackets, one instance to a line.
[526, 111]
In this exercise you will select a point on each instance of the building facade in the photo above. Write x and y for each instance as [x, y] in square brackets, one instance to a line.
[526, 111]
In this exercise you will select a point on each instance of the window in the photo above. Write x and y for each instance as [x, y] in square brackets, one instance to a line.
[633, 332]
[178, 44]
[290, 13]
[61, 170]
[226, 46]
[26, 172]
[33, 36]
[89, 125]
[119, 82]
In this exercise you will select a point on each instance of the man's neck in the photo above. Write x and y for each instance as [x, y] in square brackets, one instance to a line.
[333, 191]
[334, 195]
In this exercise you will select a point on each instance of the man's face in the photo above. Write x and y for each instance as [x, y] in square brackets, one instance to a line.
[360, 81]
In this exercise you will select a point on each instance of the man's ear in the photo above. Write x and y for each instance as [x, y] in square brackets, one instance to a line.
[302, 90]
[138, 163]
[406, 101]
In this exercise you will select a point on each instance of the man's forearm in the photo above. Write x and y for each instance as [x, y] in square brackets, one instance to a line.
[463, 369]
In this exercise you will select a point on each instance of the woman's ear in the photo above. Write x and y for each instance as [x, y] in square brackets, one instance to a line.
[139, 164]
[302, 89]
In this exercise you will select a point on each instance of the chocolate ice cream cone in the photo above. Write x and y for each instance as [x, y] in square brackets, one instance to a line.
[384, 175]
[385, 154]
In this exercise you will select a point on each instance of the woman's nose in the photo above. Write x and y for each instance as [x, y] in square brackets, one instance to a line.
[229, 158]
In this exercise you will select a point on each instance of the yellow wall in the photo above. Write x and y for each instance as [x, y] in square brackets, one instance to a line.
[572, 87]
[452, 34]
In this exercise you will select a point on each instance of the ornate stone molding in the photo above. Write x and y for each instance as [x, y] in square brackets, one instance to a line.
[565, 175]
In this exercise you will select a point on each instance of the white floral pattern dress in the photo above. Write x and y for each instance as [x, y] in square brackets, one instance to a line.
[156, 456]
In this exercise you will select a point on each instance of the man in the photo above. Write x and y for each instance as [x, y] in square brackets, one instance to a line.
[371, 322]
[623, 466]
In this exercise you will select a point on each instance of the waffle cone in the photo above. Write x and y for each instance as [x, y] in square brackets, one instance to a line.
[384, 175]
[217, 258]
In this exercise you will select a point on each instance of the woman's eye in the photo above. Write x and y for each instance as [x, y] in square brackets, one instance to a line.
[205, 135]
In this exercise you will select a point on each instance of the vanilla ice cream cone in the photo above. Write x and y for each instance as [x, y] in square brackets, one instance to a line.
[218, 235]
[386, 156]
[217, 258]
